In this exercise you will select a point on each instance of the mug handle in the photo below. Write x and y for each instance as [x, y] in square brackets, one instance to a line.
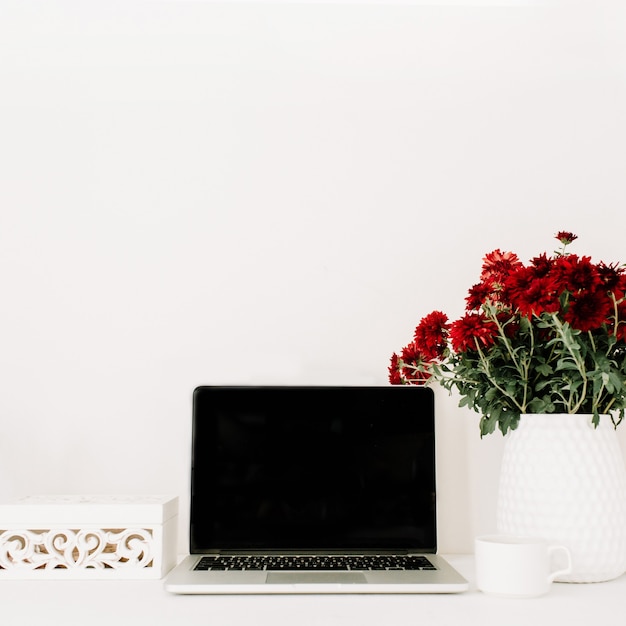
[567, 569]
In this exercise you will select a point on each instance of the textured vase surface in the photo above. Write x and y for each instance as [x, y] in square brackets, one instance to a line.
[565, 481]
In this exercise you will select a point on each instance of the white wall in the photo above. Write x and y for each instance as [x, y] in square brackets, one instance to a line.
[196, 192]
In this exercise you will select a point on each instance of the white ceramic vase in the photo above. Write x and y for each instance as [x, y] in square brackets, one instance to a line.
[565, 481]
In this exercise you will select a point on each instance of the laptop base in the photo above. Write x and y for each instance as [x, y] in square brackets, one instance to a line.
[184, 580]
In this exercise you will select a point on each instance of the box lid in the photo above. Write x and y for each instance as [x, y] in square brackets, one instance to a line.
[103, 510]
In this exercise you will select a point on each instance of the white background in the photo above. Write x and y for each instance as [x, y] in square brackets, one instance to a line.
[202, 192]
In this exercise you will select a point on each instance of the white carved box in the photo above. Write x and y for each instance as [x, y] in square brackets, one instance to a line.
[129, 537]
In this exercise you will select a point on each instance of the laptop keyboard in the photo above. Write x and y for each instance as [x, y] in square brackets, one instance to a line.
[309, 562]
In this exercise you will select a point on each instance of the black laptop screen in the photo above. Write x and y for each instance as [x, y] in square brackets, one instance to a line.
[310, 468]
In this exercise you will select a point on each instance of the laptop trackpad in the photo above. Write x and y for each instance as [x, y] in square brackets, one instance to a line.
[322, 578]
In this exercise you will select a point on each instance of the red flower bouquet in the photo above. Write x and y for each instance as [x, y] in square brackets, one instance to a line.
[547, 337]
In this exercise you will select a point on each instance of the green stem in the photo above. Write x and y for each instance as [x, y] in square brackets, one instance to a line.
[521, 367]
[487, 370]
[578, 361]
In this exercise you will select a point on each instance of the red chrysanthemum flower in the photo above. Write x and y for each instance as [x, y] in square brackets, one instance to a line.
[412, 359]
[612, 277]
[431, 334]
[542, 265]
[531, 294]
[471, 331]
[477, 296]
[411, 354]
[497, 265]
[620, 290]
[395, 377]
[402, 369]
[588, 310]
[576, 274]
[566, 237]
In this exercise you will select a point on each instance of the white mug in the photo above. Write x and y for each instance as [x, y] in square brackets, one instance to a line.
[517, 566]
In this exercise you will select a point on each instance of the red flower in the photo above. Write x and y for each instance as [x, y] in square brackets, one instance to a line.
[477, 296]
[395, 377]
[410, 359]
[620, 290]
[542, 265]
[576, 274]
[497, 265]
[471, 331]
[566, 237]
[588, 310]
[613, 279]
[430, 335]
[532, 294]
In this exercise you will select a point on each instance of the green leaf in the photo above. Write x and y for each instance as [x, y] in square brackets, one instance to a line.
[542, 384]
[544, 369]
[566, 364]
[615, 381]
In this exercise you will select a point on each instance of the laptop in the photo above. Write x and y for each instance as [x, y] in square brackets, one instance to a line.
[313, 489]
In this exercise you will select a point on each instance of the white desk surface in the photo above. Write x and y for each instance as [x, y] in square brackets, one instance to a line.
[118, 603]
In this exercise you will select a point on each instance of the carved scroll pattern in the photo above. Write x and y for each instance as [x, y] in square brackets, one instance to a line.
[76, 549]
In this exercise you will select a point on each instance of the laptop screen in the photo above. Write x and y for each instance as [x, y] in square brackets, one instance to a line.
[313, 468]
